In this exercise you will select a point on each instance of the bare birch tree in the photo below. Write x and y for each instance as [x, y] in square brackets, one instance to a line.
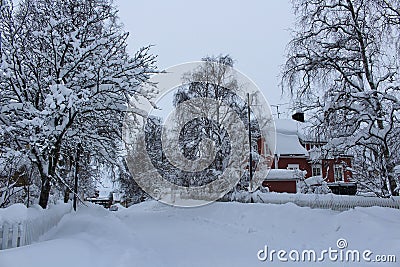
[343, 68]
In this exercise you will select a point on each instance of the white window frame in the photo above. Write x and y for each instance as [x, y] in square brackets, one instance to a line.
[338, 173]
[316, 167]
[293, 166]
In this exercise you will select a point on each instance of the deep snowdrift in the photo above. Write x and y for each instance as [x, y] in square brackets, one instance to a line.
[220, 234]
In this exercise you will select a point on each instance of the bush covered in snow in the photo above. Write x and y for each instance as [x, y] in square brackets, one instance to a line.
[313, 185]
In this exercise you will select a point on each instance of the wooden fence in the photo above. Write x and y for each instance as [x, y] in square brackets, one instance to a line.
[28, 231]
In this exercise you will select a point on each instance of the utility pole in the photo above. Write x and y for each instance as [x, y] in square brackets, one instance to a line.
[277, 109]
[250, 150]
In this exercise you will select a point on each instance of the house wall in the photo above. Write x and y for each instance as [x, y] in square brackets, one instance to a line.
[327, 165]
[281, 186]
[283, 163]
[331, 164]
[304, 162]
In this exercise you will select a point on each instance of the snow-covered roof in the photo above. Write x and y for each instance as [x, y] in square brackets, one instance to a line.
[283, 174]
[289, 145]
[98, 198]
[287, 138]
[286, 126]
[105, 192]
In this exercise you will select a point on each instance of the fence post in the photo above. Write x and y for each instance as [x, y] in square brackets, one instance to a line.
[4, 243]
[1, 237]
[27, 235]
[22, 232]
[15, 235]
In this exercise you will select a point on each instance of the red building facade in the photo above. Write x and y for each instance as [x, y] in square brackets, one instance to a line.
[292, 152]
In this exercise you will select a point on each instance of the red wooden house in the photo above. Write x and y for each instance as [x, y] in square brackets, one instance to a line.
[296, 153]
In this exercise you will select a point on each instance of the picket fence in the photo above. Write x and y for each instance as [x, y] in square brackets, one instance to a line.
[28, 231]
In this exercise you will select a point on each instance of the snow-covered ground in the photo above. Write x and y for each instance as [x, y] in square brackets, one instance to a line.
[219, 234]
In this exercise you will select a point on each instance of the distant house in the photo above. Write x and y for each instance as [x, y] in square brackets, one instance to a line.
[106, 198]
[102, 197]
[296, 153]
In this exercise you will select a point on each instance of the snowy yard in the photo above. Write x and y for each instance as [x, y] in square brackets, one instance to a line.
[220, 234]
[90, 114]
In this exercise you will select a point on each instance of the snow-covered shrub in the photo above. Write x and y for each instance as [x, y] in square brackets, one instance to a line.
[314, 185]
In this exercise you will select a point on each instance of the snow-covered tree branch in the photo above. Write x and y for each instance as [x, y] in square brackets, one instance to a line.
[65, 79]
[343, 67]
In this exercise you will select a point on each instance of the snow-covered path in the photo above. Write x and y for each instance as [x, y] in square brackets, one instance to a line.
[220, 234]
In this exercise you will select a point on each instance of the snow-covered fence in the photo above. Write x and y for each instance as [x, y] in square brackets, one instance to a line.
[321, 201]
[11, 235]
[27, 231]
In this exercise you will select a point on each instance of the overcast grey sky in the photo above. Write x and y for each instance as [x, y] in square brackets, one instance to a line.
[254, 32]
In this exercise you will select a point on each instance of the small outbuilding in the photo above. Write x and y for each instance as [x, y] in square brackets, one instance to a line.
[283, 181]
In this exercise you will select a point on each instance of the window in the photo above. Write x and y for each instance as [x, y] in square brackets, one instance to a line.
[338, 173]
[316, 170]
[293, 166]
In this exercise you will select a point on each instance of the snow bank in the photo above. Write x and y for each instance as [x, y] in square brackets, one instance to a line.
[28, 224]
[18, 213]
[13, 213]
[219, 234]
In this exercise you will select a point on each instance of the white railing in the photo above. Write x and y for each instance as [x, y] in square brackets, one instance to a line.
[321, 201]
[28, 231]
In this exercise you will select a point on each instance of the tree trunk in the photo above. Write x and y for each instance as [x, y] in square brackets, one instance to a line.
[45, 192]
[388, 168]
[51, 171]
[66, 195]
